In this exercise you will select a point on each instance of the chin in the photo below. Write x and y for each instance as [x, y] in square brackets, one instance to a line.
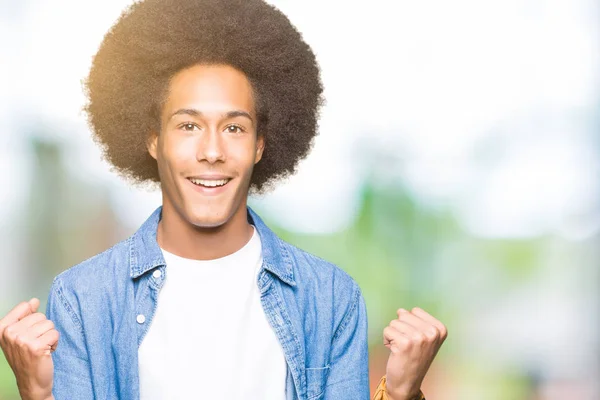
[204, 219]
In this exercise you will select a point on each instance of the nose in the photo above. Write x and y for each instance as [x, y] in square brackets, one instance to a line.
[210, 147]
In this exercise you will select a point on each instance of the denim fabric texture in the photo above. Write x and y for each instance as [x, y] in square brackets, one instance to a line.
[104, 306]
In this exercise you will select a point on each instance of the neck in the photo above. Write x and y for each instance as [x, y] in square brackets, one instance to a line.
[179, 237]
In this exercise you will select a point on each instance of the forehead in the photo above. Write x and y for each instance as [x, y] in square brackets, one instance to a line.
[210, 88]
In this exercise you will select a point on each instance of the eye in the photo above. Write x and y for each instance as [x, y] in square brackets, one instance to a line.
[188, 126]
[234, 129]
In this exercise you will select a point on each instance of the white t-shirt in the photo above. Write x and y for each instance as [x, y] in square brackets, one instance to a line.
[209, 337]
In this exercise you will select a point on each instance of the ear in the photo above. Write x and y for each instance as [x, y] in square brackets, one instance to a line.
[151, 144]
[260, 147]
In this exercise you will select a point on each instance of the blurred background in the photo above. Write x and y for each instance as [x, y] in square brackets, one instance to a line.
[457, 169]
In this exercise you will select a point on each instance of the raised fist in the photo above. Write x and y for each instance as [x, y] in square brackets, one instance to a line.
[27, 339]
[414, 339]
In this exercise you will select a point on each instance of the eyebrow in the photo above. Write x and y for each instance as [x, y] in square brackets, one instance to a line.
[196, 113]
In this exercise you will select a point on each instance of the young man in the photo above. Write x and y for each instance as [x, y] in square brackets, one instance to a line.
[210, 99]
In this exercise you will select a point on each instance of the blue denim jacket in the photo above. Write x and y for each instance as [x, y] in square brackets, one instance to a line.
[104, 306]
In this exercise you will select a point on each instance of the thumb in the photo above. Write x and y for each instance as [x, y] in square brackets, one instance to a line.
[34, 304]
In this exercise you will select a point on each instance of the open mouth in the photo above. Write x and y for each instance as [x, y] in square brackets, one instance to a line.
[209, 183]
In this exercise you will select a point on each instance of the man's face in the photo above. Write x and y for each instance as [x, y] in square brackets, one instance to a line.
[208, 144]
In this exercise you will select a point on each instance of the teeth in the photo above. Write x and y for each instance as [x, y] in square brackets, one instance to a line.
[209, 183]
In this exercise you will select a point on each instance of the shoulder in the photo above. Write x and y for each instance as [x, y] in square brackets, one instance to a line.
[326, 297]
[90, 287]
[308, 270]
[89, 275]
[313, 268]
[321, 279]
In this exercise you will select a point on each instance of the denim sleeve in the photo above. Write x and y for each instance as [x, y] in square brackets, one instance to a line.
[349, 373]
[72, 378]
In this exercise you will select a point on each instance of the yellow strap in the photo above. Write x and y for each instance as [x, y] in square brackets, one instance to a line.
[381, 393]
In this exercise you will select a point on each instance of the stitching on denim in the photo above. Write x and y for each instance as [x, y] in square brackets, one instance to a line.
[286, 257]
[276, 300]
[346, 318]
[65, 303]
[346, 381]
[146, 326]
[326, 371]
[132, 257]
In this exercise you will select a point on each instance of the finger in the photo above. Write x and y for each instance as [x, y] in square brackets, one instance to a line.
[426, 316]
[39, 328]
[390, 335]
[49, 340]
[21, 329]
[432, 320]
[27, 322]
[423, 326]
[404, 328]
[34, 304]
[22, 310]
[395, 341]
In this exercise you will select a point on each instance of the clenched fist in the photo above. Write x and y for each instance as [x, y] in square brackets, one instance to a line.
[27, 339]
[414, 339]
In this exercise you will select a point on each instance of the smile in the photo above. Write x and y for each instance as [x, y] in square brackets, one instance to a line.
[209, 183]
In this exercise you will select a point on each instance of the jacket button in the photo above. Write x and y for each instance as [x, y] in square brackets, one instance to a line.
[140, 319]
[157, 274]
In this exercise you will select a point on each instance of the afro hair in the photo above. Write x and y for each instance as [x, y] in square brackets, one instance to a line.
[154, 39]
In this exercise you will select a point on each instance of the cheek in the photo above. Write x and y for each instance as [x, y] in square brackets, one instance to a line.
[178, 151]
[244, 153]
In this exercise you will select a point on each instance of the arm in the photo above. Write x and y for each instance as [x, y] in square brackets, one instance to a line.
[349, 373]
[72, 378]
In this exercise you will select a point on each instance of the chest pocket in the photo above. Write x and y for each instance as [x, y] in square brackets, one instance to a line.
[316, 379]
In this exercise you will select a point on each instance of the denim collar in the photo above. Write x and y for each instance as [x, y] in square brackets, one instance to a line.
[145, 254]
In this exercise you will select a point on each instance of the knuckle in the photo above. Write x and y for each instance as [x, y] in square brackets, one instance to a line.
[405, 342]
[36, 348]
[397, 349]
[419, 338]
[10, 333]
[20, 341]
[390, 332]
[444, 331]
[432, 334]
